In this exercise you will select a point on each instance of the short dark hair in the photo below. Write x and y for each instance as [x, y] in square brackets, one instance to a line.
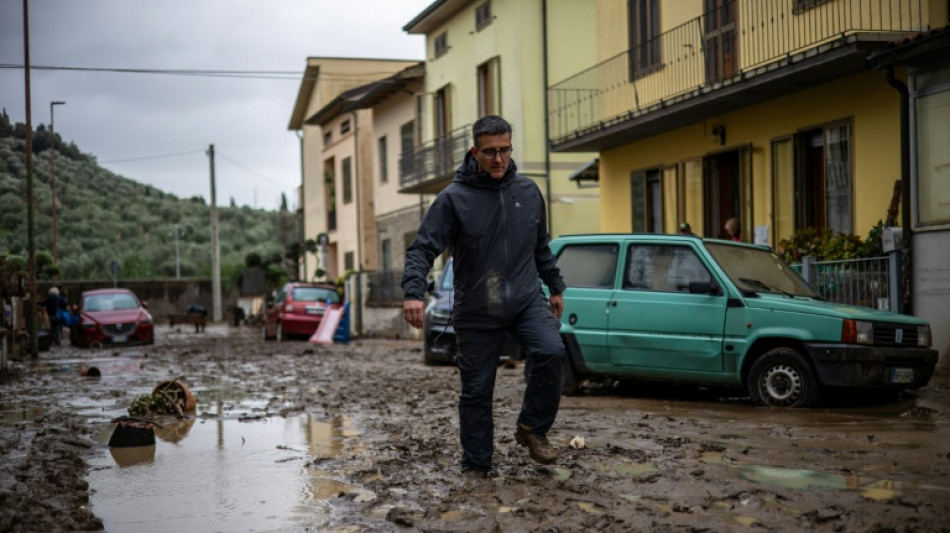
[490, 125]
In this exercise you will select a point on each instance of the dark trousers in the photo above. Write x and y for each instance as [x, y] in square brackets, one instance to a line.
[537, 331]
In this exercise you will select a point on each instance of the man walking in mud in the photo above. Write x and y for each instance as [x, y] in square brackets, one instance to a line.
[495, 225]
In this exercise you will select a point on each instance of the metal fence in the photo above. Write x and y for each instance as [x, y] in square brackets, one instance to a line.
[868, 282]
[740, 39]
[436, 158]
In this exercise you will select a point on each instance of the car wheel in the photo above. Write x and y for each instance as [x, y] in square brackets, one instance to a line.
[280, 333]
[782, 378]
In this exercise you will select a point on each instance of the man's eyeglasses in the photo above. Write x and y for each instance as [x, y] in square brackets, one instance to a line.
[490, 153]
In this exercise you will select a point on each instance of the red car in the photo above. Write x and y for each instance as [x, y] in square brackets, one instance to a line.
[297, 310]
[112, 316]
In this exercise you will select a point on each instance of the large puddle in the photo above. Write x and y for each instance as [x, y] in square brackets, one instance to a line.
[221, 475]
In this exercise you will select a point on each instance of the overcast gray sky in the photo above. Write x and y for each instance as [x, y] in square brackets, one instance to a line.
[118, 117]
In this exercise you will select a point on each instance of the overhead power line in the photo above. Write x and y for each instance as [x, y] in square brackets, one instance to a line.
[249, 171]
[293, 75]
[166, 156]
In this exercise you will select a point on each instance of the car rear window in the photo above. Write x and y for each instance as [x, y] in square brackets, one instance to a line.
[313, 294]
[591, 266]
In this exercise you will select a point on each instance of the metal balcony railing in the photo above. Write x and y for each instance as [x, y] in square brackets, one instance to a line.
[436, 159]
[741, 39]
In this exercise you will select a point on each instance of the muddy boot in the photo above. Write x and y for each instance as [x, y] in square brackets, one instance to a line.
[538, 447]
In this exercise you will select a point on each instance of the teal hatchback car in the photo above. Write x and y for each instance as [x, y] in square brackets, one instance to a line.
[710, 312]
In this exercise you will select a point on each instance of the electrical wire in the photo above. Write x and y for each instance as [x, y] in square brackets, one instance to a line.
[146, 158]
[291, 75]
[249, 171]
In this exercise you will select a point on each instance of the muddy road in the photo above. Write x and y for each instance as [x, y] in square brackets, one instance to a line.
[293, 437]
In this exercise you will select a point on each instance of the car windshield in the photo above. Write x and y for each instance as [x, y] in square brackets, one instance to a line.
[759, 270]
[110, 302]
[314, 294]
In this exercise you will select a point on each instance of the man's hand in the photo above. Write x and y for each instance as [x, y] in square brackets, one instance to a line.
[412, 312]
[557, 305]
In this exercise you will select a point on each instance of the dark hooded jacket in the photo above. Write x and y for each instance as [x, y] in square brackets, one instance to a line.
[497, 232]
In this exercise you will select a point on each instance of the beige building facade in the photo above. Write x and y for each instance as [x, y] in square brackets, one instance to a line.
[496, 57]
[337, 199]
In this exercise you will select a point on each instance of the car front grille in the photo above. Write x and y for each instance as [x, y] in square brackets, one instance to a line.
[118, 329]
[894, 334]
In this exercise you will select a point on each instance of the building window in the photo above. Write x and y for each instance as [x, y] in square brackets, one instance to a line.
[383, 161]
[345, 127]
[823, 180]
[441, 104]
[722, 60]
[329, 183]
[489, 87]
[931, 114]
[647, 192]
[348, 261]
[347, 180]
[406, 142]
[483, 16]
[327, 137]
[644, 36]
[386, 252]
[441, 44]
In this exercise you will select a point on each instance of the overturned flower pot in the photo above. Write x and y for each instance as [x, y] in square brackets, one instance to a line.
[178, 393]
[130, 432]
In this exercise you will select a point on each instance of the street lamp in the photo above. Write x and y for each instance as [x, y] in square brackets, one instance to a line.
[52, 178]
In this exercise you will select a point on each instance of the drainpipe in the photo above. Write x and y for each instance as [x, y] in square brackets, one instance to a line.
[908, 307]
[359, 227]
[547, 140]
[303, 212]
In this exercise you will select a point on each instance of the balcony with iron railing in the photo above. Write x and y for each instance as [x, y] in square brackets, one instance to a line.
[746, 52]
[431, 167]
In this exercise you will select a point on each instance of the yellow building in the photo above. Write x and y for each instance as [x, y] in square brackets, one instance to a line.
[496, 57]
[763, 110]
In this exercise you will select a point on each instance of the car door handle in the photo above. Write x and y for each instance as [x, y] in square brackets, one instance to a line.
[613, 303]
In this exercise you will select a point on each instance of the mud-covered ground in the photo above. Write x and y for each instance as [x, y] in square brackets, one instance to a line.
[653, 458]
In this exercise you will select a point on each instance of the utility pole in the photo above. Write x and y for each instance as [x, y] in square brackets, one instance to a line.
[52, 175]
[215, 247]
[177, 255]
[30, 238]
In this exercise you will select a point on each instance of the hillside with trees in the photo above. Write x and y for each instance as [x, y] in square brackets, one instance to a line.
[102, 217]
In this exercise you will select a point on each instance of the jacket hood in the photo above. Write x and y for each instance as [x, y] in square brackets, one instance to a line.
[470, 174]
[809, 306]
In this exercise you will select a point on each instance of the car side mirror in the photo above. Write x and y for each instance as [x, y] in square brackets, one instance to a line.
[144, 304]
[703, 287]
[430, 287]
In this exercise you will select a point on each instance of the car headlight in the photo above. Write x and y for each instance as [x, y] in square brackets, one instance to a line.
[857, 332]
[147, 319]
[923, 336]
